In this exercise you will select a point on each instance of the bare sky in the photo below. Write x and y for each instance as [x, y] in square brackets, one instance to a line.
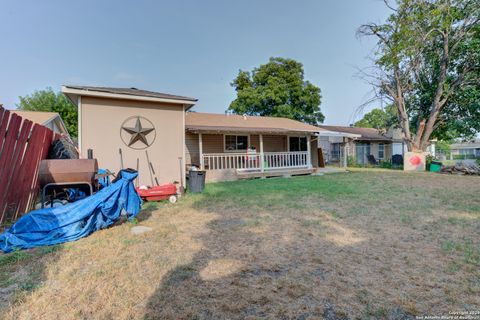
[193, 48]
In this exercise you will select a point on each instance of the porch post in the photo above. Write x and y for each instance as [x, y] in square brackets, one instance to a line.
[200, 151]
[262, 169]
[344, 152]
[309, 154]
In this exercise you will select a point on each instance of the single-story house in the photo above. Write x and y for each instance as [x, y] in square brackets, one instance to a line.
[154, 133]
[230, 145]
[466, 150]
[51, 120]
[361, 144]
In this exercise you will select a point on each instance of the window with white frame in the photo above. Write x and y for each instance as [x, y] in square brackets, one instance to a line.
[298, 143]
[236, 143]
[381, 151]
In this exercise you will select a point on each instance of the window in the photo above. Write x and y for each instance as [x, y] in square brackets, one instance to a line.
[298, 143]
[236, 143]
[381, 150]
[335, 151]
[467, 151]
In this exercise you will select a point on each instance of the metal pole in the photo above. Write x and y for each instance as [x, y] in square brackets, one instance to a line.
[149, 167]
[121, 158]
[182, 188]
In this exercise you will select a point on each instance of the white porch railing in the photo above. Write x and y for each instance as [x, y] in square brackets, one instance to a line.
[253, 161]
[283, 160]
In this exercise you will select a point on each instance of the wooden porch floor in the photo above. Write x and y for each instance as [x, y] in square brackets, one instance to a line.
[274, 173]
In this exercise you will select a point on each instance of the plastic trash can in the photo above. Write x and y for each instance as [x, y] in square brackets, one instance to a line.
[196, 181]
[435, 166]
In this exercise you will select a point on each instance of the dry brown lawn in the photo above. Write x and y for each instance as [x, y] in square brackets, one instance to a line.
[380, 245]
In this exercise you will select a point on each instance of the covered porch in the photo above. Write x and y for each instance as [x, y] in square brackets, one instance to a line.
[245, 152]
[236, 155]
[231, 147]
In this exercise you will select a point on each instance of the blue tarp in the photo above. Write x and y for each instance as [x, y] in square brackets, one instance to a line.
[75, 220]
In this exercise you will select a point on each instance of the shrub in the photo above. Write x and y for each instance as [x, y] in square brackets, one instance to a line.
[385, 164]
[351, 161]
[428, 161]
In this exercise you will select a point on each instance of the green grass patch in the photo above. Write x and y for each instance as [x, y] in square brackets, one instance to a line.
[13, 258]
[467, 249]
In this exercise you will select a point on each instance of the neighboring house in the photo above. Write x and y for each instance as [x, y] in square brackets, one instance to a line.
[51, 120]
[361, 143]
[465, 150]
[124, 126]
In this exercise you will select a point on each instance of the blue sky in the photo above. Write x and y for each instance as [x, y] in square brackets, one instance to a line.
[193, 48]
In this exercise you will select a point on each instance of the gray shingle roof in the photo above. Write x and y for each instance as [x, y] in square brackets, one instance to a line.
[466, 145]
[366, 133]
[132, 92]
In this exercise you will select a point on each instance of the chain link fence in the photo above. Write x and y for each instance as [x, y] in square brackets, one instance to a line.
[363, 155]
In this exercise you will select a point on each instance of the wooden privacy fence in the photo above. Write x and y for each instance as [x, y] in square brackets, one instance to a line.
[22, 145]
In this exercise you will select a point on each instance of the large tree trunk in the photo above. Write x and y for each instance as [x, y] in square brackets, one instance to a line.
[402, 112]
[423, 137]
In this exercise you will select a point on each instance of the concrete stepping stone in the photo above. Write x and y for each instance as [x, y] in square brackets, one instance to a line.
[140, 229]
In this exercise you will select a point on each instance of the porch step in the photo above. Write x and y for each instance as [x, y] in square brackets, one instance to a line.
[273, 173]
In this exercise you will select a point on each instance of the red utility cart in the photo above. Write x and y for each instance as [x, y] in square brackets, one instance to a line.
[163, 192]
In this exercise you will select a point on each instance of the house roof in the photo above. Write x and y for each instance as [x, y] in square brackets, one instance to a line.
[365, 133]
[212, 122]
[466, 145]
[73, 91]
[39, 117]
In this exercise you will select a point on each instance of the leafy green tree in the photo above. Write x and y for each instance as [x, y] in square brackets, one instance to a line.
[48, 100]
[277, 89]
[379, 118]
[427, 64]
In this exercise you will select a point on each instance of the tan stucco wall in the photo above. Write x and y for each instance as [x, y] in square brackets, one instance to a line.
[100, 125]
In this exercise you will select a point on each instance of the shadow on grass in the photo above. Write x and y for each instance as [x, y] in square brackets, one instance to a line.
[24, 271]
[249, 268]
[147, 209]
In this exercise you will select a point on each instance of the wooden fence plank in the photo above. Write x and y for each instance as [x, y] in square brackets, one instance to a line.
[3, 128]
[22, 146]
[11, 195]
[29, 166]
[42, 154]
[7, 154]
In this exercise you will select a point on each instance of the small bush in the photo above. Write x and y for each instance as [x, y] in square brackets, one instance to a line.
[428, 161]
[351, 161]
[385, 164]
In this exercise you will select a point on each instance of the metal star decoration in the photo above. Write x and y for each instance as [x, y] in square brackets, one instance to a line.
[138, 133]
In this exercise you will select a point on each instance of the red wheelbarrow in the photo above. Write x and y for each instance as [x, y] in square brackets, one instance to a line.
[163, 192]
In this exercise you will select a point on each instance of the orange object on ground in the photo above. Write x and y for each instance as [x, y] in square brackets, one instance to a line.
[163, 192]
